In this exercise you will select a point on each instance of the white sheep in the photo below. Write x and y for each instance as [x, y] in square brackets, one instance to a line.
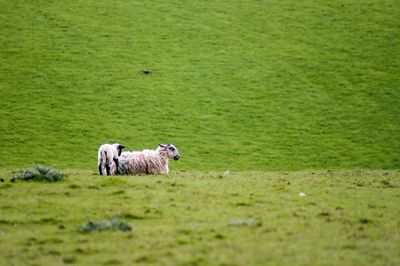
[148, 161]
[108, 153]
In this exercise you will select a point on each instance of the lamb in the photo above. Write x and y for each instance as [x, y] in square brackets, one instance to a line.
[108, 153]
[148, 161]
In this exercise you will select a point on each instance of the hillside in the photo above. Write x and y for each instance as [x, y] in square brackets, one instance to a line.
[255, 85]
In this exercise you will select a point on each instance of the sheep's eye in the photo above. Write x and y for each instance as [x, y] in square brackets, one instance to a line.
[171, 148]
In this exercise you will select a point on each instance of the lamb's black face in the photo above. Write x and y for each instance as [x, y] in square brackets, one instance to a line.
[120, 147]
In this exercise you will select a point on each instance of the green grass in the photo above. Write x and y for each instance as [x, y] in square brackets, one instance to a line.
[204, 218]
[253, 85]
[265, 89]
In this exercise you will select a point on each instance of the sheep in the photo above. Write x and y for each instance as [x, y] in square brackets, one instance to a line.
[108, 153]
[148, 161]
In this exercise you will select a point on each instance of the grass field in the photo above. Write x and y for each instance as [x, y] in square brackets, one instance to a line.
[289, 96]
[250, 85]
[205, 218]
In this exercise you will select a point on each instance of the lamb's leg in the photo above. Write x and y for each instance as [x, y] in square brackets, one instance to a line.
[100, 169]
[116, 165]
[108, 169]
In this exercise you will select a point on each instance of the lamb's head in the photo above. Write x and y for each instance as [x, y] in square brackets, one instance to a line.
[119, 148]
[170, 150]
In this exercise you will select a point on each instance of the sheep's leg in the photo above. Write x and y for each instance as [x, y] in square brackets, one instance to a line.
[117, 166]
[108, 169]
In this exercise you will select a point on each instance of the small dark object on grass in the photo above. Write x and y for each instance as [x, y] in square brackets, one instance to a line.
[98, 226]
[39, 173]
[146, 71]
[1, 180]
[386, 183]
[69, 260]
[365, 221]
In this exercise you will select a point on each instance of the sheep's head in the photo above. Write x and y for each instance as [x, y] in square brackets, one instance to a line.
[119, 148]
[170, 150]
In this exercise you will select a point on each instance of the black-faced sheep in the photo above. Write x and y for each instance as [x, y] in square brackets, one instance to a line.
[108, 153]
[148, 161]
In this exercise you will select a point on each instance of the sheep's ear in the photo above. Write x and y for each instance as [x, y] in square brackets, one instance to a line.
[121, 147]
[162, 145]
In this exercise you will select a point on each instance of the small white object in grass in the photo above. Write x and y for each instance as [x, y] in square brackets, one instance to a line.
[242, 222]
[226, 173]
[302, 194]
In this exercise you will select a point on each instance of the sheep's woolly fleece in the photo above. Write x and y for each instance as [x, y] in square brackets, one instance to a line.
[148, 161]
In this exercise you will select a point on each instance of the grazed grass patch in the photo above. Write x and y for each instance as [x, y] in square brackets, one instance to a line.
[337, 222]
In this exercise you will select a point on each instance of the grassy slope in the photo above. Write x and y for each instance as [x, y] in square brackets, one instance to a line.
[346, 218]
[260, 85]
